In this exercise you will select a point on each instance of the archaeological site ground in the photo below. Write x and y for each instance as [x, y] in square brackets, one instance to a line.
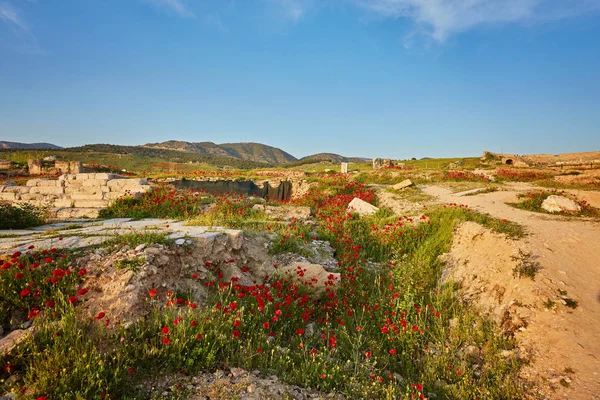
[128, 274]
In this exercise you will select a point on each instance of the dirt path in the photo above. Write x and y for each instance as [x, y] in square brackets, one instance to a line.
[568, 250]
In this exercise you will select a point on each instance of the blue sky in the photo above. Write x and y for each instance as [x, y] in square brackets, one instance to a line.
[387, 78]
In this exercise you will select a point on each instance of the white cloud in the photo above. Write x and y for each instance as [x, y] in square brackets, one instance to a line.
[443, 18]
[293, 9]
[22, 38]
[9, 15]
[177, 7]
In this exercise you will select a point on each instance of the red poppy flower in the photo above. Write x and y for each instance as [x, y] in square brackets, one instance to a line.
[25, 292]
[50, 304]
[199, 336]
[165, 330]
[236, 334]
[130, 371]
[266, 325]
[82, 291]
[166, 340]
[368, 354]
[100, 315]
[152, 292]
[19, 275]
[5, 266]
[193, 323]
[82, 272]
[73, 299]
[393, 351]
[300, 331]
[48, 259]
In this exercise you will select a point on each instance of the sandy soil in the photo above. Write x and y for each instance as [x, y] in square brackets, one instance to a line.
[558, 339]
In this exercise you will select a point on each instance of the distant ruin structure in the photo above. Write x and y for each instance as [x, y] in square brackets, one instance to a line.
[49, 165]
[376, 163]
[35, 167]
[68, 167]
[344, 169]
[5, 165]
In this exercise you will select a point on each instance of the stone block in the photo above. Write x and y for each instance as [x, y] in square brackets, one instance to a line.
[113, 195]
[63, 203]
[47, 190]
[34, 167]
[8, 196]
[90, 203]
[106, 176]
[16, 189]
[75, 167]
[87, 196]
[47, 182]
[116, 183]
[83, 176]
[32, 182]
[31, 196]
[75, 213]
[95, 182]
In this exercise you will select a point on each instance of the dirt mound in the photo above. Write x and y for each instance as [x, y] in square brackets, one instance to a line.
[122, 279]
[510, 283]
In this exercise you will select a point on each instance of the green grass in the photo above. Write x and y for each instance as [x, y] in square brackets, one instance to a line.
[527, 266]
[532, 201]
[411, 194]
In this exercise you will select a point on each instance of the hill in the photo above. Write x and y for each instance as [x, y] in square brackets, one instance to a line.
[332, 157]
[258, 152]
[255, 152]
[18, 145]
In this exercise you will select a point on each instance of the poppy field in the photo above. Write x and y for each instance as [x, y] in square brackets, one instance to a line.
[389, 328]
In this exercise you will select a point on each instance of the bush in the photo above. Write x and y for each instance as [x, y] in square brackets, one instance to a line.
[21, 216]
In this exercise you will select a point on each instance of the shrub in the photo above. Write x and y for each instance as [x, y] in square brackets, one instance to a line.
[161, 202]
[21, 216]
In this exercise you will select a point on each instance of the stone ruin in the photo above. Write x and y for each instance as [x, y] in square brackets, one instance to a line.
[50, 165]
[5, 165]
[382, 163]
[74, 195]
[344, 168]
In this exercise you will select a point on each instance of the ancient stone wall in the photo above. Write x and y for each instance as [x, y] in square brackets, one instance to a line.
[74, 195]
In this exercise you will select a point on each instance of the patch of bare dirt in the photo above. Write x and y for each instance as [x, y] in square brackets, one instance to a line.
[563, 342]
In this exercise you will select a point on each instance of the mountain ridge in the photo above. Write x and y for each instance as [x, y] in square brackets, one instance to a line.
[32, 146]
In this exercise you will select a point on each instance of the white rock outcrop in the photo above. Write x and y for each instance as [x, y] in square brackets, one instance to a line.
[361, 207]
[560, 204]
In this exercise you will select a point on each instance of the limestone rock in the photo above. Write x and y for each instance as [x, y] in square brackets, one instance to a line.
[560, 204]
[361, 207]
[403, 185]
[312, 275]
[284, 212]
[11, 340]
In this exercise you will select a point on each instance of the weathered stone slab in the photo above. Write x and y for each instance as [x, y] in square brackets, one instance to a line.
[47, 190]
[13, 339]
[361, 207]
[8, 196]
[74, 213]
[63, 203]
[90, 203]
[403, 185]
[555, 203]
